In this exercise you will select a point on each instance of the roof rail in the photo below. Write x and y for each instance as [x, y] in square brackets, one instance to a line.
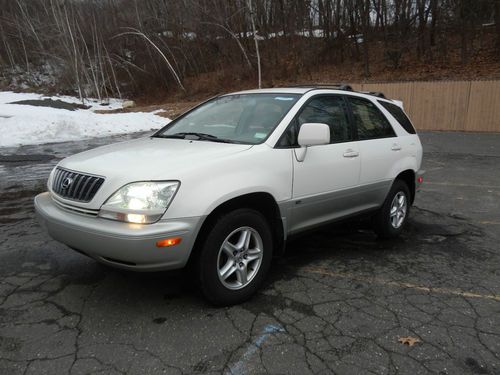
[378, 94]
[338, 86]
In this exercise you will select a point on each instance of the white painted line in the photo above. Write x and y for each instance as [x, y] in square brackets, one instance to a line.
[397, 284]
[461, 185]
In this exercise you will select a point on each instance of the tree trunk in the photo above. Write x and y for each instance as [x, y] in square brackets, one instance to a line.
[421, 28]
[435, 15]
[497, 23]
[252, 20]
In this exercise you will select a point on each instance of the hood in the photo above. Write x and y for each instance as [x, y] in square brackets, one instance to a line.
[150, 158]
[147, 159]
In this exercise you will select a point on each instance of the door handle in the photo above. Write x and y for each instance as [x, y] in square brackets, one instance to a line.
[396, 147]
[349, 153]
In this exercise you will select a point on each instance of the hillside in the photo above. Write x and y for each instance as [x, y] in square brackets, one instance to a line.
[187, 50]
[483, 64]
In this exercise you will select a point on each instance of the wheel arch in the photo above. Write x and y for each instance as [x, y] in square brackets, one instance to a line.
[262, 202]
[408, 177]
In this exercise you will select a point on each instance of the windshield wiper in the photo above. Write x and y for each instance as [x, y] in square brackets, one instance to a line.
[202, 136]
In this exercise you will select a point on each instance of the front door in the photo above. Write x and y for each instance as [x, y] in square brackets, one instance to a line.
[325, 182]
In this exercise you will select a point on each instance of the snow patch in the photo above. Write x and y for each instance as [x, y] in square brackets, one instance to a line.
[26, 124]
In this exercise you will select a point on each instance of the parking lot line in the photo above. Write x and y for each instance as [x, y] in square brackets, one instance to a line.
[397, 284]
[463, 185]
[488, 222]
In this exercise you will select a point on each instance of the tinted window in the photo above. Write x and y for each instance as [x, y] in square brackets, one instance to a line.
[330, 110]
[370, 122]
[399, 115]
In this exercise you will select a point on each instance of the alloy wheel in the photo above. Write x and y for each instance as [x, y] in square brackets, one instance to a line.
[239, 258]
[399, 207]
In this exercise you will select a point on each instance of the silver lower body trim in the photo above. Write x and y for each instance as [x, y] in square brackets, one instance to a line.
[308, 212]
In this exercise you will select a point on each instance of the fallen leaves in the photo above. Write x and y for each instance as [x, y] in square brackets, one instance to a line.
[408, 340]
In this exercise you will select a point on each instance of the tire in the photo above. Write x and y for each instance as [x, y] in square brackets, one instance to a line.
[225, 256]
[390, 226]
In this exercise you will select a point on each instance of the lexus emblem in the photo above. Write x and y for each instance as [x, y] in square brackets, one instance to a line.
[66, 182]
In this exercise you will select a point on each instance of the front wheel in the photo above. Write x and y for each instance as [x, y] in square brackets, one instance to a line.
[393, 215]
[235, 257]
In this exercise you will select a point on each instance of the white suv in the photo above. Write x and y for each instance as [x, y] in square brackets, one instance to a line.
[224, 185]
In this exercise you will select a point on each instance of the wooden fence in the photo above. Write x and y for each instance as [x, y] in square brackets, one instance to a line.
[446, 105]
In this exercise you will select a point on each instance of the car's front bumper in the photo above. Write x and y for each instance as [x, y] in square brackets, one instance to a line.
[123, 245]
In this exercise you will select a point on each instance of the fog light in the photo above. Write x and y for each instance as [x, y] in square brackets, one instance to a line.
[168, 242]
[135, 218]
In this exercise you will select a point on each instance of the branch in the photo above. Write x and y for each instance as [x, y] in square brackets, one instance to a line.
[170, 67]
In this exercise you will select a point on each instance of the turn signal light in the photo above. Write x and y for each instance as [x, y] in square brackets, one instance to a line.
[168, 242]
[420, 179]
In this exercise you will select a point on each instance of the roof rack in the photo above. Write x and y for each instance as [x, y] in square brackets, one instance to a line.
[338, 86]
[378, 94]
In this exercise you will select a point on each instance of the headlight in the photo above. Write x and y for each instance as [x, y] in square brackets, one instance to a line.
[140, 202]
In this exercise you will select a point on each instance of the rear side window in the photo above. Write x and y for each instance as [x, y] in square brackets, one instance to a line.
[370, 122]
[399, 115]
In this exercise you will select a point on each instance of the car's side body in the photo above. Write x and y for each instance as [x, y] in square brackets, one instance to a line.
[332, 182]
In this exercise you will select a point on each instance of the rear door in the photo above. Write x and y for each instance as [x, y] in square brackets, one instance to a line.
[325, 181]
[378, 147]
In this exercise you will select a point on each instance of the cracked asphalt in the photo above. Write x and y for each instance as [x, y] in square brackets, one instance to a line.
[339, 301]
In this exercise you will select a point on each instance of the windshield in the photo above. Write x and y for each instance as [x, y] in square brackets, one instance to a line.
[240, 118]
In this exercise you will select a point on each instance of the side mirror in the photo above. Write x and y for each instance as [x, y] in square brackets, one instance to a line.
[311, 134]
[314, 134]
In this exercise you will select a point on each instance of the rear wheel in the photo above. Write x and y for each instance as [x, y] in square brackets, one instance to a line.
[391, 219]
[235, 257]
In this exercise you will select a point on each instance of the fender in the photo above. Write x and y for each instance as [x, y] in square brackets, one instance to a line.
[402, 165]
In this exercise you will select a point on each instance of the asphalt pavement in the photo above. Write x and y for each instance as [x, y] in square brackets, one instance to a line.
[339, 301]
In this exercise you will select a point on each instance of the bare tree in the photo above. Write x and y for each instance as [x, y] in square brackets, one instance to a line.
[170, 67]
[497, 23]
[170, 45]
[256, 40]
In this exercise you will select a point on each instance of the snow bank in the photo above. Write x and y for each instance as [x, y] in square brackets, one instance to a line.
[26, 124]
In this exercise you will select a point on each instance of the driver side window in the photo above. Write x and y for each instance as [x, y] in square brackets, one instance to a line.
[330, 110]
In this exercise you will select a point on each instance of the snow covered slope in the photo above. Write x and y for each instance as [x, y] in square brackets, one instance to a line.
[22, 124]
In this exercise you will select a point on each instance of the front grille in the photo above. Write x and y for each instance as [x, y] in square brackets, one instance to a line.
[75, 186]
